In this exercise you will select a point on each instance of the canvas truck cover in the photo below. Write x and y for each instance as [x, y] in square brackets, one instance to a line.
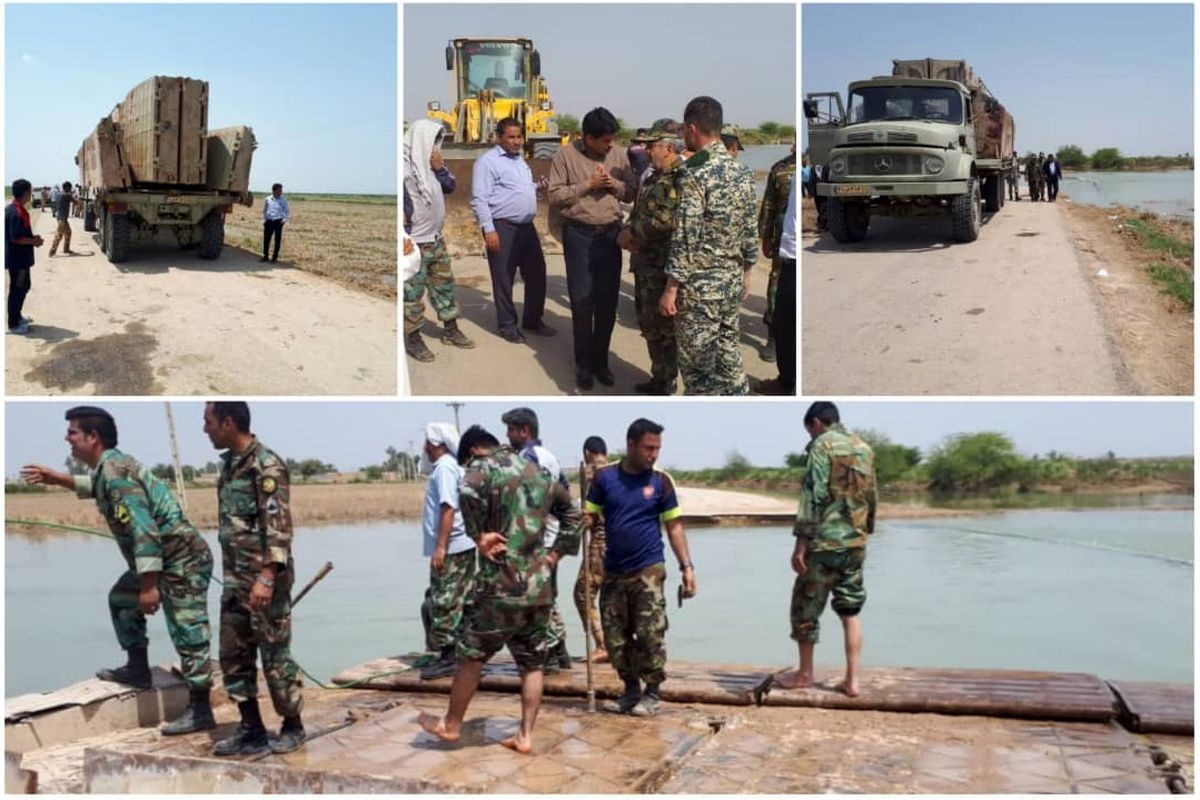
[994, 126]
[229, 155]
[163, 129]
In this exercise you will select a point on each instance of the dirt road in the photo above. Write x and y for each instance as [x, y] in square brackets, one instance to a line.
[544, 366]
[907, 312]
[167, 322]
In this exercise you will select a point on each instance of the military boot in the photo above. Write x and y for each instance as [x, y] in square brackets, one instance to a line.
[197, 716]
[445, 666]
[415, 346]
[656, 387]
[291, 736]
[136, 671]
[456, 337]
[767, 353]
[564, 658]
[251, 736]
[626, 702]
[650, 703]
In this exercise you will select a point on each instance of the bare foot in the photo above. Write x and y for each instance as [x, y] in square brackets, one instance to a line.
[848, 688]
[599, 656]
[792, 679]
[519, 744]
[437, 726]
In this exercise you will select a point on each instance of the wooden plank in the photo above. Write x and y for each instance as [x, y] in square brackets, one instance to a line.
[1008, 693]
[1149, 707]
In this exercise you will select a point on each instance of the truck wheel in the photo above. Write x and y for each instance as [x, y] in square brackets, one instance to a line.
[212, 236]
[116, 237]
[545, 150]
[966, 214]
[89, 220]
[993, 193]
[848, 221]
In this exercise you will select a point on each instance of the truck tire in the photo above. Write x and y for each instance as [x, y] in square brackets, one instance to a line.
[213, 235]
[966, 214]
[848, 221]
[545, 150]
[993, 193]
[89, 220]
[116, 237]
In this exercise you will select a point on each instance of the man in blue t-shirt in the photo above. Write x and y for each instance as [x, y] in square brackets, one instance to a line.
[635, 498]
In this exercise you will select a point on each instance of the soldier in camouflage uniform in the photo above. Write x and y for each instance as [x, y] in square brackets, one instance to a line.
[713, 247]
[169, 563]
[253, 493]
[648, 238]
[587, 585]
[636, 500]
[1013, 177]
[837, 514]
[506, 501]
[770, 230]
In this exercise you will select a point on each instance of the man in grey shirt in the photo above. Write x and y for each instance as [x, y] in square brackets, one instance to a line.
[62, 212]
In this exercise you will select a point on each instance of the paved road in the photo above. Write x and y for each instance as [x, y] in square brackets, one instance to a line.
[167, 322]
[907, 312]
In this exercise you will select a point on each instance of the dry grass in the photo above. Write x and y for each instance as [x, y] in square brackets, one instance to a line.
[312, 505]
[348, 240]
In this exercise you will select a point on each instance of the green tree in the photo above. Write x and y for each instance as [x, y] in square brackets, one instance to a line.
[164, 472]
[769, 130]
[567, 123]
[796, 460]
[736, 466]
[974, 461]
[1107, 158]
[1071, 156]
[787, 132]
[374, 472]
[892, 461]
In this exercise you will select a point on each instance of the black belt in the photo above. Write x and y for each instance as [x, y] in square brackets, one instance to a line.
[595, 228]
[787, 262]
[512, 222]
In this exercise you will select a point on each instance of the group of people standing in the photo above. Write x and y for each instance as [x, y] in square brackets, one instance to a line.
[685, 211]
[1042, 176]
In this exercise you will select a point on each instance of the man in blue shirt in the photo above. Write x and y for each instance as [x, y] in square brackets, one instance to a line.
[451, 552]
[19, 242]
[635, 498]
[504, 199]
[275, 214]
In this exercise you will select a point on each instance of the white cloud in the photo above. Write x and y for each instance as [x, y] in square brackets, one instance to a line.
[27, 58]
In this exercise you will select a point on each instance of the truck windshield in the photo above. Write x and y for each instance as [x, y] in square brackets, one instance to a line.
[881, 103]
[497, 66]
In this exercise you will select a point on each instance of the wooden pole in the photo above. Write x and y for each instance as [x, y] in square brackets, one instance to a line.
[179, 485]
[587, 590]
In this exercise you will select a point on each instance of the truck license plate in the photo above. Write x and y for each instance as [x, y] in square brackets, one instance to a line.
[851, 189]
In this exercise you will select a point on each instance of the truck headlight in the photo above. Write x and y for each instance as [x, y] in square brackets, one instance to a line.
[933, 165]
[434, 105]
[545, 105]
[838, 165]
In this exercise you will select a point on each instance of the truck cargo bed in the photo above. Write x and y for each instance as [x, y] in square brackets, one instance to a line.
[163, 129]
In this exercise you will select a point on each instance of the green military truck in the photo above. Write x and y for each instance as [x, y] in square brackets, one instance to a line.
[152, 167]
[928, 140]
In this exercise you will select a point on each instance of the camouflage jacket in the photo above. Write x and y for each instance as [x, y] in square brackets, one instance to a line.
[141, 512]
[254, 508]
[774, 202]
[505, 493]
[837, 497]
[715, 236]
[653, 218]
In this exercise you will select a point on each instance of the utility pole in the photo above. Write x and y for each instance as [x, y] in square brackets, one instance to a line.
[456, 406]
[409, 467]
[179, 487]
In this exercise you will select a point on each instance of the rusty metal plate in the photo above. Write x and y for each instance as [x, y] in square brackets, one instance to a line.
[1149, 707]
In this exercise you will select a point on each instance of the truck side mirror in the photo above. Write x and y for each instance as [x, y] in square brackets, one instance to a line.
[535, 63]
[449, 57]
[810, 109]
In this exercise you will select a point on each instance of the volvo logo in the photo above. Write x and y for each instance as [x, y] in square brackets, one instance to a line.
[883, 164]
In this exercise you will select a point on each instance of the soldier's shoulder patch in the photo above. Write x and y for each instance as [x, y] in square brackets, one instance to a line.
[124, 516]
[699, 159]
[269, 485]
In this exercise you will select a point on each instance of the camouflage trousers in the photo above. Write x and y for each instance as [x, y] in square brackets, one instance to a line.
[436, 277]
[525, 629]
[62, 233]
[183, 590]
[558, 629]
[246, 633]
[658, 331]
[836, 571]
[590, 582]
[634, 613]
[708, 334]
[450, 591]
[772, 289]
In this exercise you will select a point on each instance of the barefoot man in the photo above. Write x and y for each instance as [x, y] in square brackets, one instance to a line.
[837, 513]
[505, 501]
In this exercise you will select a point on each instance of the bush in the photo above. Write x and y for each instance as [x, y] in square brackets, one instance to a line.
[892, 461]
[970, 462]
[1107, 158]
[1071, 156]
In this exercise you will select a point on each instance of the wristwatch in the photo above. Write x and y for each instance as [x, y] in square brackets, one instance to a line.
[685, 566]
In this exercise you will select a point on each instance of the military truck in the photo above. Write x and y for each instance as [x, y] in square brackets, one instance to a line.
[928, 140]
[152, 166]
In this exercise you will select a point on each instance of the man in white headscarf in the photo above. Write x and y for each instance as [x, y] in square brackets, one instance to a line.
[426, 180]
[451, 552]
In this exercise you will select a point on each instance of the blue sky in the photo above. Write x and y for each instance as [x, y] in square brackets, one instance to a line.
[698, 434]
[316, 82]
[1095, 75]
[641, 62]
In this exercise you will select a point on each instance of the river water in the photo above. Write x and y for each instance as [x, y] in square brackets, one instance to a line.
[1169, 193]
[760, 158]
[1103, 591]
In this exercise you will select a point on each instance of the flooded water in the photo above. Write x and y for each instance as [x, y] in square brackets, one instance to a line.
[760, 158]
[1169, 193]
[1103, 591]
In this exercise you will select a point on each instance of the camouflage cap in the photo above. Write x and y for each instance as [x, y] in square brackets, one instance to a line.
[732, 132]
[666, 125]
